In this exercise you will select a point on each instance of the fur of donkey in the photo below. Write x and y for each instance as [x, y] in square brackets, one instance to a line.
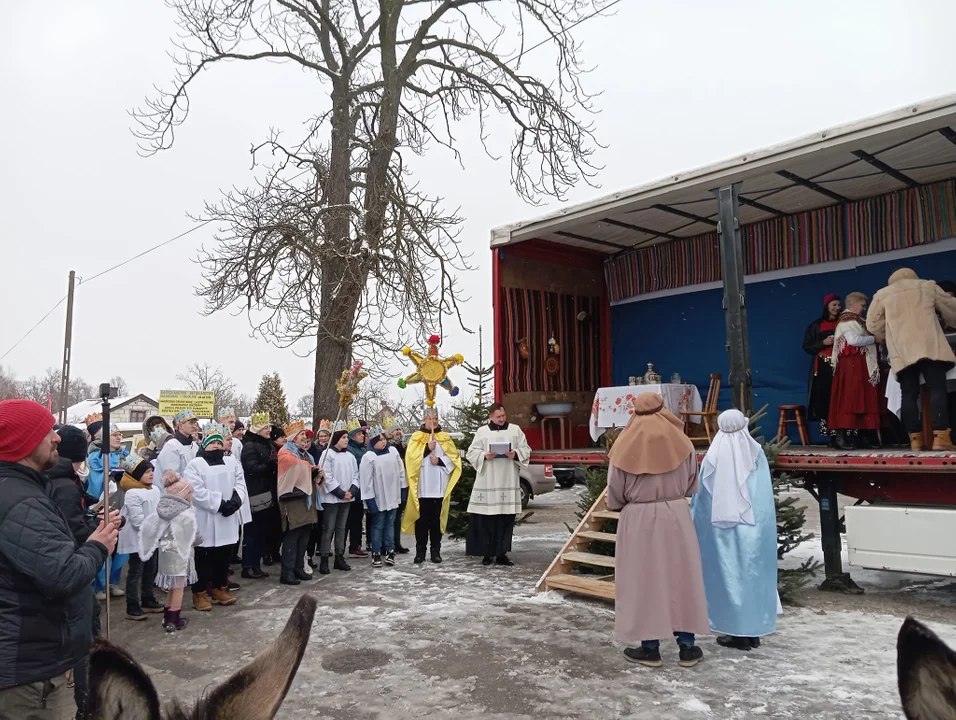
[121, 690]
[926, 669]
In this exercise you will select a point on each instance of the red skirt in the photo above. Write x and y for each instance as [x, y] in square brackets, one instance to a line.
[854, 402]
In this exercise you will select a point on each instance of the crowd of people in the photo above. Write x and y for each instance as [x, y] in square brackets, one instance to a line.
[855, 351]
[192, 501]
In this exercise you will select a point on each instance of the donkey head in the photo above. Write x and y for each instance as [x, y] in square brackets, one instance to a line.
[927, 673]
[119, 688]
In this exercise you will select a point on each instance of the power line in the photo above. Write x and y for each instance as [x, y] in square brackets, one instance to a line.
[39, 322]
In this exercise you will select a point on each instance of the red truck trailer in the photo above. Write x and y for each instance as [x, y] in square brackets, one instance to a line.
[719, 271]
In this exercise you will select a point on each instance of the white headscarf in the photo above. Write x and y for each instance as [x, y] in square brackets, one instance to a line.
[727, 465]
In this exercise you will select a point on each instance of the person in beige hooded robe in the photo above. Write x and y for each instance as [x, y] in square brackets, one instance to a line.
[659, 582]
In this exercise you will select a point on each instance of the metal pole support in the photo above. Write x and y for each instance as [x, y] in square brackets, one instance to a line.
[735, 301]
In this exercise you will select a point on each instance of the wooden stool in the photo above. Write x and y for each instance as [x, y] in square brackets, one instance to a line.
[798, 419]
[562, 428]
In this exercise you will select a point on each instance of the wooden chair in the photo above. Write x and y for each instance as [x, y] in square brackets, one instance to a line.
[798, 418]
[564, 430]
[707, 415]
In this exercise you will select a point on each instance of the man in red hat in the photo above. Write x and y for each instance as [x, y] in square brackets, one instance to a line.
[45, 575]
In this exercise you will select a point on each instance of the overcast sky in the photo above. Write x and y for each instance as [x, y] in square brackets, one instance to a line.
[684, 84]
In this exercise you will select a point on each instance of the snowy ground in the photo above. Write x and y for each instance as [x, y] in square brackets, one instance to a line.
[463, 641]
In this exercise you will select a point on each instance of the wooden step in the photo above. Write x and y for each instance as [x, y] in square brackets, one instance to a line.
[595, 535]
[582, 585]
[589, 558]
[606, 515]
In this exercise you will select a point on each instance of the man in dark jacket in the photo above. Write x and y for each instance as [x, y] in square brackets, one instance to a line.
[45, 575]
[69, 494]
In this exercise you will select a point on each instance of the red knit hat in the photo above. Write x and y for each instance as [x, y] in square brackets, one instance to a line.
[23, 424]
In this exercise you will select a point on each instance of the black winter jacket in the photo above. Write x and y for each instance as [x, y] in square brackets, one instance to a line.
[260, 467]
[69, 496]
[44, 582]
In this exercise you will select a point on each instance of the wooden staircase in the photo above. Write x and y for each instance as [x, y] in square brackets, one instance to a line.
[560, 573]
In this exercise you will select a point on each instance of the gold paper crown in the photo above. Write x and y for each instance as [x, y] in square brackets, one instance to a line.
[352, 426]
[293, 428]
[259, 419]
[389, 422]
[95, 417]
[325, 425]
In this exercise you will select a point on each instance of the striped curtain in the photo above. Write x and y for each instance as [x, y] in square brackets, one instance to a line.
[535, 315]
[894, 221]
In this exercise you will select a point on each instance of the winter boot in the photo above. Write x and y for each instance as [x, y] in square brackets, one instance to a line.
[301, 574]
[221, 596]
[178, 619]
[135, 614]
[376, 559]
[324, 565]
[150, 605]
[169, 623]
[340, 563]
[648, 657]
[390, 557]
[400, 549]
[690, 656]
[916, 441]
[419, 555]
[287, 579]
[436, 554]
[738, 643]
[201, 602]
[504, 560]
[941, 440]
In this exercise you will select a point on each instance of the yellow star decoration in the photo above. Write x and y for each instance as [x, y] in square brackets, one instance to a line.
[431, 370]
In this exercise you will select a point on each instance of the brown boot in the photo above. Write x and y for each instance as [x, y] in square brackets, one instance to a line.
[941, 440]
[916, 441]
[221, 597]
[201, 602]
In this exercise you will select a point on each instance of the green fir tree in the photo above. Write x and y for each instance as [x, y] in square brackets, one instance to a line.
[271, 399]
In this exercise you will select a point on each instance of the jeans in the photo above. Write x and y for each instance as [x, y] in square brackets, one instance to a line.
[382, 524]
[212, 567]
[46, 700]
[336, 517]
[140, 577]
[428, 525]
[934, 373]
[116, 572]
[684, 639]
[294, 544]
[398, 518]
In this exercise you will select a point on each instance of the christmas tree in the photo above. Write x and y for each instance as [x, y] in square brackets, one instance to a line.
[271, 399]
[469, 416]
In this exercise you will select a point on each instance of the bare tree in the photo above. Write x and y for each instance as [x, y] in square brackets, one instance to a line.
[209, 379]
[46, 390]
[399, 74]
[122, 388]
[305, 407]
[243, 405]
[8, 385]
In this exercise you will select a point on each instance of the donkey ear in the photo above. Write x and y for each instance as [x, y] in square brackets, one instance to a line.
[258, 689]
[119, 688]
[926, 668]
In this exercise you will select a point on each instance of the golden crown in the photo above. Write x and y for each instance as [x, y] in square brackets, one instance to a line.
[95, 417]
[259, 419]
[293, 428]
[353, 425]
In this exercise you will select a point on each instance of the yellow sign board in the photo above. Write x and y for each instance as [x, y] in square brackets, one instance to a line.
[200, 402]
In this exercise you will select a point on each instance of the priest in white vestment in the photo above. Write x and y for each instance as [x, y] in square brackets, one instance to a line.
[498, 453]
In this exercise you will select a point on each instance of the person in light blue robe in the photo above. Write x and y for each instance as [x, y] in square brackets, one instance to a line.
[737, 530]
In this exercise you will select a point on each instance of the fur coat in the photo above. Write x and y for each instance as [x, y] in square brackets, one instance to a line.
[904, 315]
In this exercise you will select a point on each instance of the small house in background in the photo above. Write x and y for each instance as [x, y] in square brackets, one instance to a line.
[130, 409]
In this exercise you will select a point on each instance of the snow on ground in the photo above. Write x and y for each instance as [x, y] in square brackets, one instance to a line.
[460, 640]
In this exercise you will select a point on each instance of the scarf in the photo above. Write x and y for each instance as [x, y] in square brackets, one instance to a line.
[294, 474]
[212, 457]
[725, 469]
[128, 482]
[850, 321]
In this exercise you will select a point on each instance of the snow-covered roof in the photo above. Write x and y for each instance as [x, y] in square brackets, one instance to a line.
[77, 413]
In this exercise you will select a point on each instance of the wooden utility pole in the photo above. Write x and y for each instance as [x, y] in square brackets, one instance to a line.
[67, 351]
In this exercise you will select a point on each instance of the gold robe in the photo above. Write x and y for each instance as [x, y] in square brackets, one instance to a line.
[414, 456]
